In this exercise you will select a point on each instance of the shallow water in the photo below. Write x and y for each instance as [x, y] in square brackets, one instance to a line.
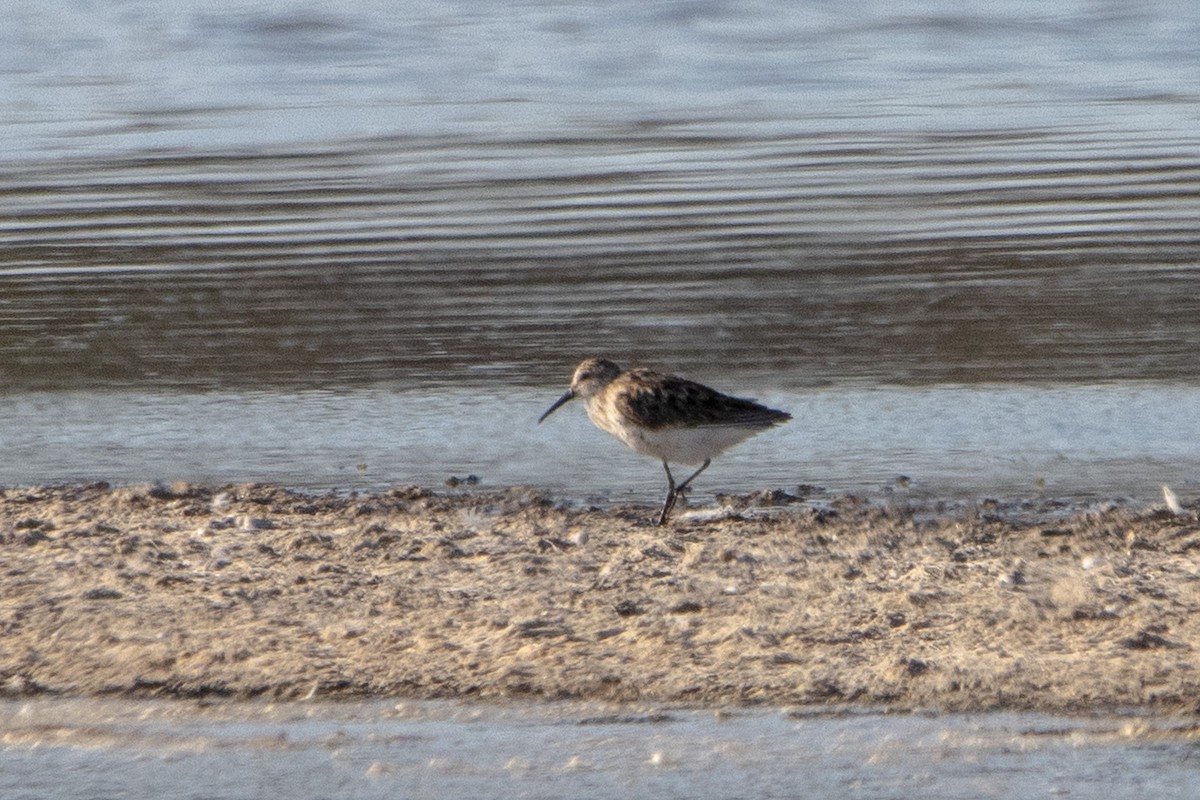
[1083, 443]
[354, 247]
[86, 749]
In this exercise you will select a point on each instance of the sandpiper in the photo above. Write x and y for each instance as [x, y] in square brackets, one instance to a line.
[665, 416]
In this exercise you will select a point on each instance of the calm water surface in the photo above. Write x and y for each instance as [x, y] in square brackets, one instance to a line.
[1087, 443]
[75, 749]
[357, 247]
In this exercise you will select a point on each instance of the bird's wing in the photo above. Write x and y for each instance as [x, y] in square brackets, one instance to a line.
[657, 401]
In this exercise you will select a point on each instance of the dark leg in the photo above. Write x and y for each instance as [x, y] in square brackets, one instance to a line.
[674, 491]
[685, 484]
[669, 503]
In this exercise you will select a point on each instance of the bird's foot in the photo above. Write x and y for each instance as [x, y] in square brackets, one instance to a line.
[672, 498]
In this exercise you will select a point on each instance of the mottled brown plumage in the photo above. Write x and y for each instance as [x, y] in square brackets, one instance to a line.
[665, 416]
[656, 401]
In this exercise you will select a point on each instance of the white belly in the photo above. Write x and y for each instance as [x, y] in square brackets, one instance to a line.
[685, 445]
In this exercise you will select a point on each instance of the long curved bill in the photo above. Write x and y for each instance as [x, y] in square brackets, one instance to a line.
[570, 395]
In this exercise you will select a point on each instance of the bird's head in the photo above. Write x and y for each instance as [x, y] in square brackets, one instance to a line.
[590, 377]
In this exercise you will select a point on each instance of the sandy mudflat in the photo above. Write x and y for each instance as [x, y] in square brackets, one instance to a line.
[251, 591]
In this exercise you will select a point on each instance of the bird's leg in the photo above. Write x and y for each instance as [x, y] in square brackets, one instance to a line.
[681, 487]
[669, 503]
[674, 491]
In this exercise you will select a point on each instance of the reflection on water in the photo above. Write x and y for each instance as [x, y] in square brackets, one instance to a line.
[171, 750]
[792, 262]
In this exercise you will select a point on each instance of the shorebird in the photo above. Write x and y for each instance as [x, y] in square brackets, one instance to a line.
[670, 418]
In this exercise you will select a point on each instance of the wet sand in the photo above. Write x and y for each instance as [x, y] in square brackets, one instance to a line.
[257, 591]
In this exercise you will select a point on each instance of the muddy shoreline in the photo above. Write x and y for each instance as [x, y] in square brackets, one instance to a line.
[257, 591]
